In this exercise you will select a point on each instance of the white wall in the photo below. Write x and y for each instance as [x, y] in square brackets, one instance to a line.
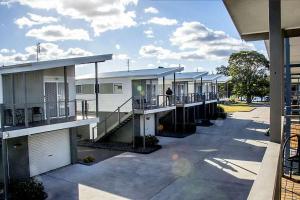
[110, 102]
[149, 124]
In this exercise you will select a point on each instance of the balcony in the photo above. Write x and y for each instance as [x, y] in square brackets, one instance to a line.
[22, 116]
[191, 99]
[144, 104]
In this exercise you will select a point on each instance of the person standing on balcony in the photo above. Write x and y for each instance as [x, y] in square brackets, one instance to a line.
[169, 93]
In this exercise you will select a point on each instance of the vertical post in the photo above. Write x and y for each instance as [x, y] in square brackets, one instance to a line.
[217, 89]
[174, 81]
[13, 99]
[25, 100]
[175, 113]
[144, 131]
[5, 168]
[195, 92]
[227, 91]
[201, 89]
[133, 128]
[287, 95]
[97, 89]
[82, 109]
[276, 65]
[150, 98]
[66, 92]
[183, 119]
[164, 98]
[119, 118]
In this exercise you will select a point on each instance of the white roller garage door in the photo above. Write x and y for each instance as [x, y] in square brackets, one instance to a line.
[48, 151]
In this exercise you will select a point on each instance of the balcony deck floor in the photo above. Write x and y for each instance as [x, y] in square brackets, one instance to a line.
[290, 190]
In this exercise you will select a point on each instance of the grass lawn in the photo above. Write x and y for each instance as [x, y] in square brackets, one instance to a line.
[239, 107]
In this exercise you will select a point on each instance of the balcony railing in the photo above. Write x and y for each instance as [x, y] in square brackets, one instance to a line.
[18, 116]
[153, 102]
[190, 98]
[211, 96]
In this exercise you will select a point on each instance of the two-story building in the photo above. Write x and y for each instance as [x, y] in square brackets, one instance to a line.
[39, 116]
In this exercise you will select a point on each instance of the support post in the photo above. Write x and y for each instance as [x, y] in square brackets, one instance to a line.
[144, 131]
[13, 99]
[276, 65]
[5, 168]
[66, 92]
[288, 96]
[25, 100]
[174, 81]
[175, 113]
[97, 89]
[164, 92]
[133, 127]
[183, 119]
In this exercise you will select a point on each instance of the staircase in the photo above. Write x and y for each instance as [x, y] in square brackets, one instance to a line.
[110, 129]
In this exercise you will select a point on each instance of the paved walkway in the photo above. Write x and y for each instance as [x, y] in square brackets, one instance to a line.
[219, 162]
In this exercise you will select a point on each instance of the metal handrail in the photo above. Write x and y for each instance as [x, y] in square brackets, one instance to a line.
[111, 114]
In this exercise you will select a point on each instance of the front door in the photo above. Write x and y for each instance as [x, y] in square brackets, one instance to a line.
[51, 98]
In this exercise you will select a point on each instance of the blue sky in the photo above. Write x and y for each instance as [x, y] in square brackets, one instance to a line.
[195, 34]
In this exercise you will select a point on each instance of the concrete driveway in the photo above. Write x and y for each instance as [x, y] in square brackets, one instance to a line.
[219, 162]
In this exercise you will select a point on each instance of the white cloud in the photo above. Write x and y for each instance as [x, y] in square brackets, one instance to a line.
[121, 57]
[151, 10]
[118, 46]
[196, 36]
[150, 65]
[58, 33]
[162, 21]
[103, 15]
[149, 33]
[151, 51]
[48, 51]
[4, 50]
[34, 19]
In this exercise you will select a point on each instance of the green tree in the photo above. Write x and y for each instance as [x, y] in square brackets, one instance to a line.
[249, 74]
[223, 70]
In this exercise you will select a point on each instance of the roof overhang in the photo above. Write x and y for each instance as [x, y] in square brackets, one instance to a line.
[224, 79]
[187, 76]
[136, 74]
[251, 18]
[210, 78]
[42, 65]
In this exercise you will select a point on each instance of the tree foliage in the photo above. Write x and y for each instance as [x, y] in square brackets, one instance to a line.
[249, 74]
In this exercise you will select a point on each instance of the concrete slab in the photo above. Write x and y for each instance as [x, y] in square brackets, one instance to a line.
[218, 162]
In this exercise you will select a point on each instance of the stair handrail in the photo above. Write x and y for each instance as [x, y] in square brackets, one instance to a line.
[110, 114]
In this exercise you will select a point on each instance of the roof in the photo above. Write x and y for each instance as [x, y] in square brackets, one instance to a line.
[33, 66]
[210, 77]
[137, 74]
[251, 17]
[224, 79]
[188, 76]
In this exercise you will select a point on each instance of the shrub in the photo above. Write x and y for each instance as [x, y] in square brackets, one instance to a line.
[150, 140]
[28, 189]
[88, 159]
[220, 113]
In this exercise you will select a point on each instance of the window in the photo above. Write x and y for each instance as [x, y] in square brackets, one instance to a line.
[111, 88]
[106, 88]
[118, 88]
[85, 89]
[78, 89]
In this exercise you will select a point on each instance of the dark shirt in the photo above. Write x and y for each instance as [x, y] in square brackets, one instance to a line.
[169, 92]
